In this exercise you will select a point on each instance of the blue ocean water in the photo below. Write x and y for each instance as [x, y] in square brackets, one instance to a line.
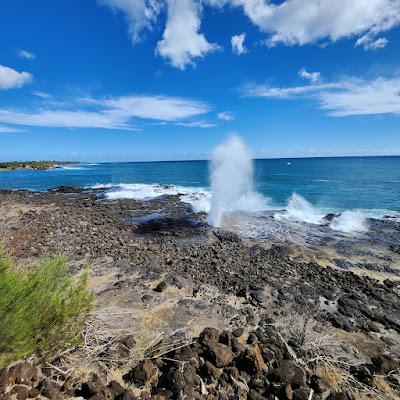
[368, 183]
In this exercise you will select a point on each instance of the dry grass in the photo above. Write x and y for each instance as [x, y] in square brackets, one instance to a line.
[383, 386]
[333, 375]
[330, 357]
[313, 343]
[104, 352]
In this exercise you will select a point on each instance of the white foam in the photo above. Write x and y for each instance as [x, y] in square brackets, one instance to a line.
[73, 168]
[300, 210]
[139, 191]
[101, 186]
[350, 221]
[198, 198]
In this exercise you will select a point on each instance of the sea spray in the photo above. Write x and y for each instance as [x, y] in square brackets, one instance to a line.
[231, 175]
[299, 209]
[350, 221]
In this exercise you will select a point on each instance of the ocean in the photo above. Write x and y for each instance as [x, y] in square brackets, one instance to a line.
[370, 184]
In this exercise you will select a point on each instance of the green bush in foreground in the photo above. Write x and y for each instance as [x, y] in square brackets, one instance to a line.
[42, 310]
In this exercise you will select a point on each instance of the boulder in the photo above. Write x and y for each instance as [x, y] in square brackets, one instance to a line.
[210, 371]
[251, 360]
[141, 374]
[362, 373]
[209, 335]
[301, 394]
[116, 388]
[161, 287]
[51, 390]
[23, 372]
[182, 381]
[289, 373]
[219, 354]
[238, 332]
[128, 395]
[20, 392]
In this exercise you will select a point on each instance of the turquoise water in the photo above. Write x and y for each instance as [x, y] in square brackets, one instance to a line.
[369, 183]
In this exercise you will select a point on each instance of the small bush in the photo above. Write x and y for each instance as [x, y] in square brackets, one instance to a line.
[41, 310]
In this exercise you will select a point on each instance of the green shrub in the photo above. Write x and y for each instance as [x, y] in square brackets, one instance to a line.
[42, 310]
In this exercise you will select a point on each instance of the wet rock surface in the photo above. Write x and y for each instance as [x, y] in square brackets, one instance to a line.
[174, 272]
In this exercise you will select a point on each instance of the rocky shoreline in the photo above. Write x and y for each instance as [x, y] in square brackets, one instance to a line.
[239, 318]
[33, 165]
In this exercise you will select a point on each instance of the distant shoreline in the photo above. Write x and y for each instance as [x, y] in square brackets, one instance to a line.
[32, 165]
[61, 163]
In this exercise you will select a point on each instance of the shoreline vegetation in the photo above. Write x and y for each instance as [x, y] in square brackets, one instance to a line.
[33, 165]
[42, 308]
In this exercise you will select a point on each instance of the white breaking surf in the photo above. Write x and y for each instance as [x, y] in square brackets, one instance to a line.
[299, 209]
[350, 221]
[198, 198]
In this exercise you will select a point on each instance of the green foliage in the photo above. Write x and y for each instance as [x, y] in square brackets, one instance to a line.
[42, 310]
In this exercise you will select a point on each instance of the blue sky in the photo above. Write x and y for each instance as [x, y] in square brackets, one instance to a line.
[147, 80]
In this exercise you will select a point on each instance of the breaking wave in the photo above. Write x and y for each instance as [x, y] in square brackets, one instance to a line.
[299, 209]
[350, 221]
[198, 198]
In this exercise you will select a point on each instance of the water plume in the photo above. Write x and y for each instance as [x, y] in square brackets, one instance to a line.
[231, 175]
[299, 209]
[350, 221]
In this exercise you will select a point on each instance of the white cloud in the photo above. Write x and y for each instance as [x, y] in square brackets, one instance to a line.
[197, 124]
[161, 108]
[226, 116]
[288, 22]
[12, 79]
[370, 43]
[26, 54]
[139, 14]
[42, 95]
[359, 97]
[182, 42]
[237, 42]
[299, 22]
[110, 113]
[254, 90]
[7, 129]
[310, 76]
[349, 96]
[63, 119]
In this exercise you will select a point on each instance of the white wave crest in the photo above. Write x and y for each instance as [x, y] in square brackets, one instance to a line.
[350, 221]
[300, 210]
[198, 198]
